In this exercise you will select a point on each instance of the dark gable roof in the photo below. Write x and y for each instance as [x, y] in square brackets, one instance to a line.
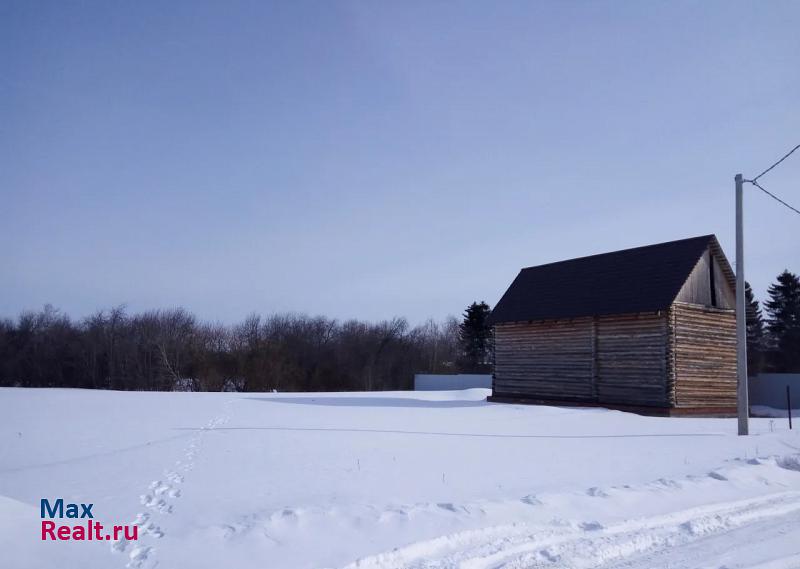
[644, 279]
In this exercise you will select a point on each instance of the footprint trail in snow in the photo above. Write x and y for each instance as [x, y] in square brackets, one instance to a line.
[159, 499]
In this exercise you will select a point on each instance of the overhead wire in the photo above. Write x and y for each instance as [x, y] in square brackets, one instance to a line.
[754, 181]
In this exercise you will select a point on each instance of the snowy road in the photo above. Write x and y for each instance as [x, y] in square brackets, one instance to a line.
[698, 537]
[392, 481]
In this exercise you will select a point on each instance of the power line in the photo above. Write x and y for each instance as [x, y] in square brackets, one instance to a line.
[771, 167]
[773, 196]
[754, 181]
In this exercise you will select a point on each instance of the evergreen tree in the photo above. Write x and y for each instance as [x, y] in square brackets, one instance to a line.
[476, 337]
[755, 332]
[783, 322]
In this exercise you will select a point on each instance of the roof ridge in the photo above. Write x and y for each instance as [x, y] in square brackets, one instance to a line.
[641, 247]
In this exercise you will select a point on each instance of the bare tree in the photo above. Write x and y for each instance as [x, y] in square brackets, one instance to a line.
[162, 349]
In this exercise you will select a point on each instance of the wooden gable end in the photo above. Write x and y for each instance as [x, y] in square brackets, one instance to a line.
[709, 283]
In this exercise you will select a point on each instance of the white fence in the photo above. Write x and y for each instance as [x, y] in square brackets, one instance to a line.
[441, 382]
[769, 389]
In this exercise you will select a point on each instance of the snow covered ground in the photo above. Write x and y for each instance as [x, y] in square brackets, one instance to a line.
[392, 480]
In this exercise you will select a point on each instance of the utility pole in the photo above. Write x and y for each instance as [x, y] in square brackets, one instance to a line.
[743, 406]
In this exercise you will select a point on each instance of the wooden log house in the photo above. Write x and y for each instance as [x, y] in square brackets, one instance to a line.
[650, 329]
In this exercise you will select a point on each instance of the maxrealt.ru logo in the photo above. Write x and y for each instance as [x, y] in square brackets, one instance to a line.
[90, 530]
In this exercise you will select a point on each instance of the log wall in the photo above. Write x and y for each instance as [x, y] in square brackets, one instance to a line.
[704, 356]
[545, 359]
[607, 359]
[685, 359]
[632, 359]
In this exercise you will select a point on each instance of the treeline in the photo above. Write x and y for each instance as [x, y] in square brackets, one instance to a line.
[172, 349]
[773, 336]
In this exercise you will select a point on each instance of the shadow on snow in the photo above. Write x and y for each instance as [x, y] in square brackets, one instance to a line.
[371, 402]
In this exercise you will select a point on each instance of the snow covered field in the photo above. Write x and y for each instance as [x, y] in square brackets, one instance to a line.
[392, 480]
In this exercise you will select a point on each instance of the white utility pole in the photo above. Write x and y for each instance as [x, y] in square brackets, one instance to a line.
[742, 399]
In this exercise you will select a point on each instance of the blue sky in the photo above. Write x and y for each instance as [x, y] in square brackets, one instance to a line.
[373, 159]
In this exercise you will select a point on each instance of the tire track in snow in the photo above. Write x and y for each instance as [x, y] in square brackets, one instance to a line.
[588, 545]
[789, 562]
[160, 495]
[726, 550]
